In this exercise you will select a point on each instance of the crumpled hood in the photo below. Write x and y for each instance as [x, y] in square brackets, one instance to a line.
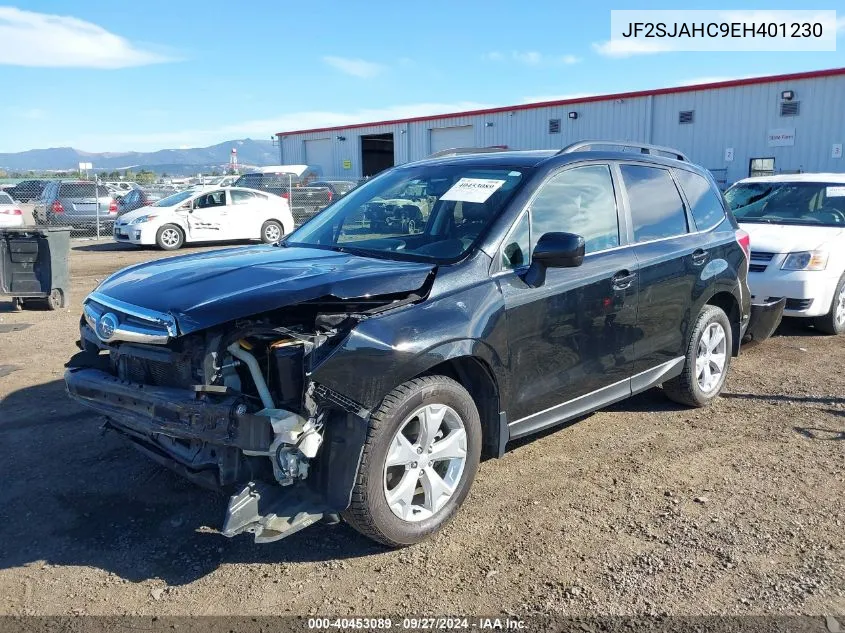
[788, 238]
[207, 289]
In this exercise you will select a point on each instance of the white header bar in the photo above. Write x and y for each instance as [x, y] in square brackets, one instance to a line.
[635, 32]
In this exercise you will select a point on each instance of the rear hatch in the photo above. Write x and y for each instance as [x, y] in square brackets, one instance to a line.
[84, 201]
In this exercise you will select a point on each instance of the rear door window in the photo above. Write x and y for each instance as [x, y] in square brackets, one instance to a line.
[76, 190]
[242, 197]
[707, 210]
[657, 210]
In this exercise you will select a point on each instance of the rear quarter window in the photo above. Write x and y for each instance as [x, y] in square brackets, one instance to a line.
[657, 210]
[707, 210]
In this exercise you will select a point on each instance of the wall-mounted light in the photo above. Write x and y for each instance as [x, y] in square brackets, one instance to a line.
[402, 131]
[340, 138]
[573, 115]
[488, 124]
[787, 95]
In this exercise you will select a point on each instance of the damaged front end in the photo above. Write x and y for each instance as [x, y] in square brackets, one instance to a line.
[235, 406]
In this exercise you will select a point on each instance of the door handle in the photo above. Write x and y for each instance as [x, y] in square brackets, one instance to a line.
[622, 280]
[699, 256]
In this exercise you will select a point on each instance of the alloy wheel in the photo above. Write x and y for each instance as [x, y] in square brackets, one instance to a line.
[425, 462]
[170, 237]
[839, 306]
[711, 357]
[272, 233]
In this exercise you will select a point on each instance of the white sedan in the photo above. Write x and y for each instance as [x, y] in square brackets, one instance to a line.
[209, 215]
[797, 227]
[10, 212]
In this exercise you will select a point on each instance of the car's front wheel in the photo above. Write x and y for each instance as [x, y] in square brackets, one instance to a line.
[420, 458]
[170, 237]
[708, 358]
[834, 321]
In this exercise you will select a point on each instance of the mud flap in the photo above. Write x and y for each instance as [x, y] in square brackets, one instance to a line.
[271, 512]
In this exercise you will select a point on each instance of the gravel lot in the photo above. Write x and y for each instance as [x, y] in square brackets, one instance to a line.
[644, 508]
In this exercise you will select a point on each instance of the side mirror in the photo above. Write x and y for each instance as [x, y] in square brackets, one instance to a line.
[559, 250]
[554, 250]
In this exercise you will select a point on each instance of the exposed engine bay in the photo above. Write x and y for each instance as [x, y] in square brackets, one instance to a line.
[235, 407]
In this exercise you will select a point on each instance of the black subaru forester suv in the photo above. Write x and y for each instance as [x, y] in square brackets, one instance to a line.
[362, 371]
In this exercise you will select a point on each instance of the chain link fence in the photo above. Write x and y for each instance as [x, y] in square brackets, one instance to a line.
[90, 206]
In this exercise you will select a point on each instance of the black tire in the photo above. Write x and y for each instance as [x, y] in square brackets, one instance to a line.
[270, 225]
[166, 231]
[684, 388]
[56, 300]
[369, 512]
[829, 323]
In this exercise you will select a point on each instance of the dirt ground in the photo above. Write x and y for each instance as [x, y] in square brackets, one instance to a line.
[645, 508]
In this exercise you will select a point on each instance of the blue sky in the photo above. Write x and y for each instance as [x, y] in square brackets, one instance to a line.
[113, 76]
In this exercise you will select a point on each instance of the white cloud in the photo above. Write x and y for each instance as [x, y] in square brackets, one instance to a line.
[840, 25]
[355, 67]
[31, 114]
[531, 58]
[262, 128]
[557, 97]
[627, 48]
[40, 39]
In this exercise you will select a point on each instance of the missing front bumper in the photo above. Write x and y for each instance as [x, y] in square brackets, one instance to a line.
[178, 413]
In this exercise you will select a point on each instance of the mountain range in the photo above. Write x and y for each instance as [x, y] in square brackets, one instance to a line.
[173, 161]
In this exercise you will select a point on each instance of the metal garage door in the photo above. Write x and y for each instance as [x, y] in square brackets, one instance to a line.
[451, 137]
[319, 152]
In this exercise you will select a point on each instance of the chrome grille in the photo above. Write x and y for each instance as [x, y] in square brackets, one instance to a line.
[126, 323]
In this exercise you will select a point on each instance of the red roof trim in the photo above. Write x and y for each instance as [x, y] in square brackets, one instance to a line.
[830, 72]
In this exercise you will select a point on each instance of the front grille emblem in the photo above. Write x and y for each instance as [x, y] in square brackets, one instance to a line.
[106, 325]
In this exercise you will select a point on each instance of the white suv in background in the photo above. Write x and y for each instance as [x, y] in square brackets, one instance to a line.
[797, 228]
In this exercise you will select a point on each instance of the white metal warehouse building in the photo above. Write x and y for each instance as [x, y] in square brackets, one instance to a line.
[777, 124]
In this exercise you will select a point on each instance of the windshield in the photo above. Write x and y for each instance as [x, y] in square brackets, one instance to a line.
[803, 203]
[430, 212]
[173, 200]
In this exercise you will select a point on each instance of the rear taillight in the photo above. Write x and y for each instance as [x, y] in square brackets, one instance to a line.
[57, 207]
[286, 195]
[11, 212]
[744, 241]
[330, 196]
[113, 206]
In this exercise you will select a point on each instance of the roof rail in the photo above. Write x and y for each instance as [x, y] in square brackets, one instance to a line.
[456, 151]
[644, 148]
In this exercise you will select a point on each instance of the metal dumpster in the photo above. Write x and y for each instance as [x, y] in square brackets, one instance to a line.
[34, 266]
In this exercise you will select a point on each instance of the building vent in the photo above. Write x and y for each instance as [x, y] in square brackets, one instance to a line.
[554, 126]
[790, 108]
[686, 116]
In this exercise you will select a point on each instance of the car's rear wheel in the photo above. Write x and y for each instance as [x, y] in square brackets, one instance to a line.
[834, 321]
[170, 237]
[419, 461]
[271, 232]
[707, 361]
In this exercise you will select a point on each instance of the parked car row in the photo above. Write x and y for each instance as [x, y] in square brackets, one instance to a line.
[360, 373]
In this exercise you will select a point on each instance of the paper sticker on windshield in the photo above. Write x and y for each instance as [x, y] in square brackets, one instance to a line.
[472, 190]
[836, 192]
